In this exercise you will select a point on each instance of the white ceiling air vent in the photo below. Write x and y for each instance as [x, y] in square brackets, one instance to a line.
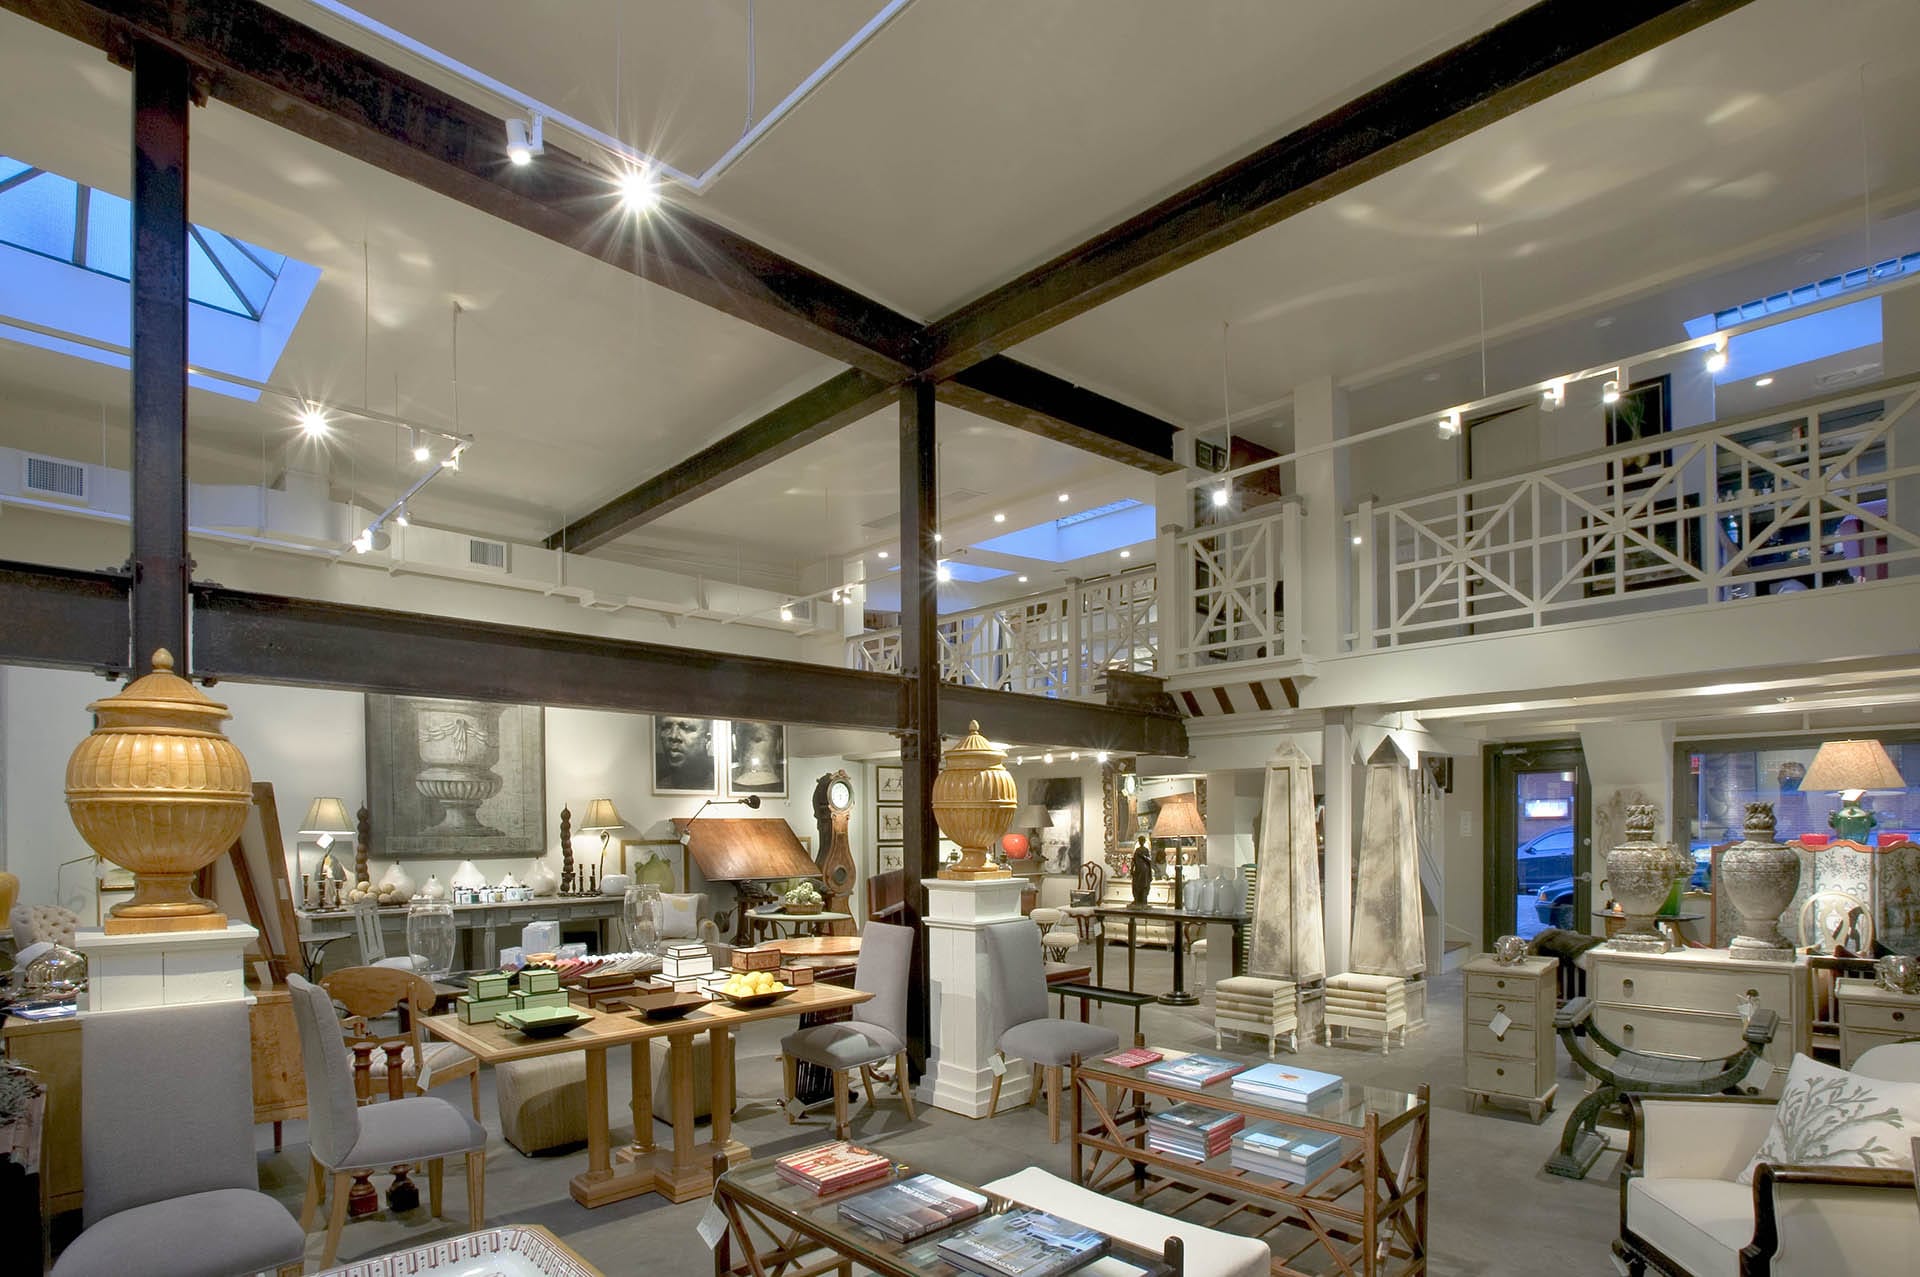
[61, 480]
[487, 554]
[1841, 376]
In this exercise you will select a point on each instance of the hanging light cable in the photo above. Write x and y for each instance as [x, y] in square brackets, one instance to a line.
[1223, 494]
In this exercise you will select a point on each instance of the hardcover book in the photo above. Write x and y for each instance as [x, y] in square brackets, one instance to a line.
[828, 1168]
[1023, 1243]
[912, 1208]
[1287, 1082]
[1194, 1071]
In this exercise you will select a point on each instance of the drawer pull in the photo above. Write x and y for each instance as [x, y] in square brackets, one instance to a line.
[1626, 1030]
[1754, 994]
[1626, 987]
[1499, 984]
[1899, 1016]
[1499, 1072]
[1502, 1007]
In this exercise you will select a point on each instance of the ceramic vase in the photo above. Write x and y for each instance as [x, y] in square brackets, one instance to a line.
[1641, 875]
[541, 877]
[1760, 877]
[467, 874]
[157, 788]
[397, 879]
[435, 889]
[974, 799]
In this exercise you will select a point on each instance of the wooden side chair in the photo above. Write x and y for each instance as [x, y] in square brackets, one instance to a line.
[371, 994]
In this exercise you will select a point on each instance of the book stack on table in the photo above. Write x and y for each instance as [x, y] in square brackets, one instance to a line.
[1023, 1243]
[1286, 1085]
[828, 1168]
[1192, 1131]
[912, 1208]
[1193, 1072]
[1299, 1157]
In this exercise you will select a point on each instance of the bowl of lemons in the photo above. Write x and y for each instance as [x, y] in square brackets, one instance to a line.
[751, 988]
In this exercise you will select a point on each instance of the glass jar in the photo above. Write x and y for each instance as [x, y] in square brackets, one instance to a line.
[431, 937]
[640, 907]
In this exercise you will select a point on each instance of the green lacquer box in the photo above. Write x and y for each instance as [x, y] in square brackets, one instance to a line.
[481, 1010]
[538, 980]
[494, 984]
[528, 1001]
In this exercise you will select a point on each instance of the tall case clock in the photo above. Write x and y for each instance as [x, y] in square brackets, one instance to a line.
[833, 806]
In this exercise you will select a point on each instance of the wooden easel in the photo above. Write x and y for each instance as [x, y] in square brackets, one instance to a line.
[280, 935]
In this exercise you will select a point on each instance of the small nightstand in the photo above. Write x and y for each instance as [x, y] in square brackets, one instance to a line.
[1514, 1064]
[1871, 1016]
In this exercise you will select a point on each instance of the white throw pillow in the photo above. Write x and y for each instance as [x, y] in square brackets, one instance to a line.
[678, 916]
[1830, 1117]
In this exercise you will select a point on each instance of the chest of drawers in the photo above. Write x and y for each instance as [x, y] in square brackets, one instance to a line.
[1687, 1003]
[1509, 1033]
[1871, 1016]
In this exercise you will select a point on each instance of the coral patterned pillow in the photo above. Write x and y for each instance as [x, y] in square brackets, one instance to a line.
[1830, 1117]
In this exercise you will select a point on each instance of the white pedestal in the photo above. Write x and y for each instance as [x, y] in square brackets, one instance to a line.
[959, 1076]
[164, 968]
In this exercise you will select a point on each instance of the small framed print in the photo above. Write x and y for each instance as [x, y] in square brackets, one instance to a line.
[892, 824]
[889, 784]
[891, 855]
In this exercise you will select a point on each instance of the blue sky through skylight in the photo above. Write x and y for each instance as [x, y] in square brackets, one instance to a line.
[1076, 537]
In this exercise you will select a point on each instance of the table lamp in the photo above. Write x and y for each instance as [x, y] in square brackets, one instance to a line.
[602, 819]
[326, 818]
[1850, 768]
[1178, 820]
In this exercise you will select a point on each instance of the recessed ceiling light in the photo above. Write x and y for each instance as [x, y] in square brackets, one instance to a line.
[1047, 757]
[639, 192]
[999, 518]
[1764, 381]
[1605, 321]
[883, 554]
[1357, 539]
[1023, 580]
[1065, 497]
[1784, 700]
[313, 420]
[1126, 554]
[1100, 757]
[936, 538]
[422, 453]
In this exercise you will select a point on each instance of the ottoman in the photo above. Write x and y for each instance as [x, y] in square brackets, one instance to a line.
[543, 1101]
[1263, 1006]
[1367, 1004]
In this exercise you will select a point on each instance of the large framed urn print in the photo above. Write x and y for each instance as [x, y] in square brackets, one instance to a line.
[455, 779]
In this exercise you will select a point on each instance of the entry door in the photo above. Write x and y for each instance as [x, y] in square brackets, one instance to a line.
[1539, 849]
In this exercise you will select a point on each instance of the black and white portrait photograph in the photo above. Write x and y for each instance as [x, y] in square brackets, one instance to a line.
[758, 759]
[456, 778]
[683, 759]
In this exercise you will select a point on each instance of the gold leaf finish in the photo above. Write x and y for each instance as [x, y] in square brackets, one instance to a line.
[974, 799]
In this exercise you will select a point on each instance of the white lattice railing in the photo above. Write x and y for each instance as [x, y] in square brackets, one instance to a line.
[1814, 497]
[1233, 579]
[1056, 643]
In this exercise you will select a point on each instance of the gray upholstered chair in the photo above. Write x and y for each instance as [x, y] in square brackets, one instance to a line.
[876, 1033]
[172, 1187]
[344, 1138]
[1022, 1029]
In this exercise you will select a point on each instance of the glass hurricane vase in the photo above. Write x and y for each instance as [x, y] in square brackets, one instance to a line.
[431, 937]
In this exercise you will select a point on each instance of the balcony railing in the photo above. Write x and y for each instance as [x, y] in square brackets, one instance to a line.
[1055, 643]
[1232, 581]
[1808, 498]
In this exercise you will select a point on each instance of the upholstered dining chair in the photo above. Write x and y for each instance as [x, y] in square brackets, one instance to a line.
[1022, 1029]
[172, 1186]
[343, 1138]
[876, 1034]
[369, 995]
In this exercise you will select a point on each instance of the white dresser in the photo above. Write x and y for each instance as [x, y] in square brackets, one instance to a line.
[1871, 1016]
[1687, 1003]
[1509, 1032]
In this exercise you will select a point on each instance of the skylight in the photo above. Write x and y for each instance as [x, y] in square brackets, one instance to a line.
[1078, 536]
[66, 258]
[1818, 290]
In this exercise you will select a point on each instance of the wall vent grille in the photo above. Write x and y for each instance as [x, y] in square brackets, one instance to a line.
[487, 554]
[52, 478]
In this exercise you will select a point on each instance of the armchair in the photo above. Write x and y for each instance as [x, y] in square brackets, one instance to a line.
[1683, 1211]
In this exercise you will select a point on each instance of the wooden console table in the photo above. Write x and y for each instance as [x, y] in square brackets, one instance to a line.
[1368, 1215]
[490, 923]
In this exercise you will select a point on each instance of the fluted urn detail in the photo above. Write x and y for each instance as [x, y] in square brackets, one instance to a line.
[1760, 877]
[158, 788]
[1640, 875]
[974, 799]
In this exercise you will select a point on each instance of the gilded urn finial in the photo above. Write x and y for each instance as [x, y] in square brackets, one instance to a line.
[974, 799]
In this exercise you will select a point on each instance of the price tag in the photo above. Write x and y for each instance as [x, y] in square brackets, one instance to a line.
[1758, 1076]
[1500, 1023]
[713, 1225]
[998, 1063]
[425, 1076]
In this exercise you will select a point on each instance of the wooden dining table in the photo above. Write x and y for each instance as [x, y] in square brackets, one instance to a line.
[684, 1170]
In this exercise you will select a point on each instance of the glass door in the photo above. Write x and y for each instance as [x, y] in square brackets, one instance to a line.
[1539, 852]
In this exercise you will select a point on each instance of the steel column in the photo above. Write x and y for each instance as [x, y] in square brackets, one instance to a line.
[920, 666]
[162, 90]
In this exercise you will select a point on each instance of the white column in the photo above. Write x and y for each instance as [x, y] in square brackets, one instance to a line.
[1320, 417]
[959, 1076]
[1172, 509]
[853, 604]
[1337, 752]
[164, 968]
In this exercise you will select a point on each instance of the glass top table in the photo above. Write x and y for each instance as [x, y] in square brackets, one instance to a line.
[1179, 919]
[754, 1194]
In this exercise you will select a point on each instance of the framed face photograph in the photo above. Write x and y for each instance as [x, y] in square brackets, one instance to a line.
[892, 824]
[889, 784]
[683, 757]
[757, 759]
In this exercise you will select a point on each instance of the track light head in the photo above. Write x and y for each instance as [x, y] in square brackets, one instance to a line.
[524, 141]
[1449, 424]
[313, 420]
[1221, 495]
[786, 612]
[943, 574]
[1610, 393]
[1717, 358]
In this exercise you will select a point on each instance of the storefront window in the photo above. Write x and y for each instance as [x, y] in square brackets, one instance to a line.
[1723, 780]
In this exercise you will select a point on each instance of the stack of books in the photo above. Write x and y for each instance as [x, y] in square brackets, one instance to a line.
[1192, 1131]
[1286, 1084]
[1192, 1072]
[912, 1208]
[1023, 1243]
[828, 1168]
[1299, 1157]
[1134, 1058]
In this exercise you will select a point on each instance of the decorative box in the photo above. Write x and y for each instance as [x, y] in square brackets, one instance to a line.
[494, 984]
[686, 984]
[686, 949]
[675, 968]
[762, 959]
[540, 937]
[538, 980]
[797, 975]
[528, 1001]
[481, 1010]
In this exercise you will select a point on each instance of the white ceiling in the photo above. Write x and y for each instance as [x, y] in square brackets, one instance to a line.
[965, 143]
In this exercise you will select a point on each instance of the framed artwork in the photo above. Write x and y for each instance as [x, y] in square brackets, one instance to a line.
[889, 855]
[683, 755]
[757, 759]
[1643, 411]
[649, 860]
[456, 779]
[891, 824]
[889, 784]
[1062, 842]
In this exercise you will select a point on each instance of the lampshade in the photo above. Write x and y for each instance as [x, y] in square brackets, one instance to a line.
[1178, 817]
[1845, 765]
[1032, 816]
[601, 817]
[327, 816]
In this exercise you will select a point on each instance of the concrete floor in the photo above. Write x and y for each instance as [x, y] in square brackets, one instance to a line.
[1494, 1212]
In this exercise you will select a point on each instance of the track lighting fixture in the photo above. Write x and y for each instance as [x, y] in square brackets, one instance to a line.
[1717, 360]
[786, 612]
[524, 141]
[1610, 393]
[943, 574]
[1100, 757]
[363, 542]
[639, 190]
[453, 458]
[313, 420]
[1553, 397]
[400, 519]
[1047, 758]
[1449, 423]
[1221, 496]
[421, 452]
